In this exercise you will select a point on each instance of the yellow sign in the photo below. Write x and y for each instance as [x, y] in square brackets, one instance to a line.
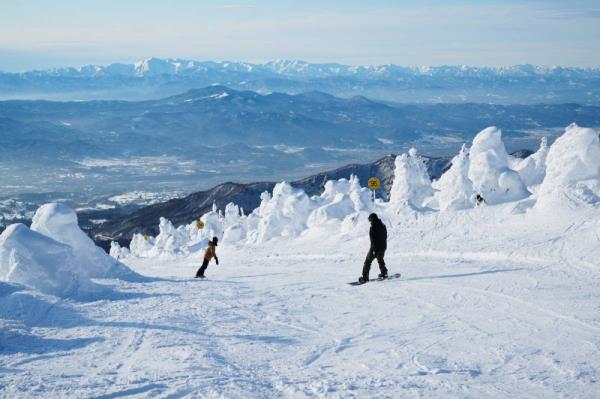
[145, 237]
[199, 224]
[374, 183]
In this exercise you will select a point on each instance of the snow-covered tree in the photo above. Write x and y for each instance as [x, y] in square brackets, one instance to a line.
[285, 213]
[489, 169]
[533, 168]
[455, 189]
[411, 181]
[340, 199]
[117, 251]
[573, 167]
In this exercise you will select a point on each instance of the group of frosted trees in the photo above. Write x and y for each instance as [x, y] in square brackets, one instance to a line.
[569, 168]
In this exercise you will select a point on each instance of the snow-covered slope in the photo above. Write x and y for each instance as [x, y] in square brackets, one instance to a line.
[495, 301]
[492, 304]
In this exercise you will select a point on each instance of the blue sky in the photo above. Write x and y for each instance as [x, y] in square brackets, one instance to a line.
[38, 34]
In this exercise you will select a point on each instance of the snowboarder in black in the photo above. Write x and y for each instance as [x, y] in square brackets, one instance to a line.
[211, 252]
[479, 200]
[378, 236]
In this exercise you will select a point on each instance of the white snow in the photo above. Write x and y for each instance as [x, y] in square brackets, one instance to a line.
[59, 222]
[533, 168]
[118, 252]
[55, 256]
[455, 189]
[183, 240]
[495, 301]
[385, 141]
[411, 182]
[489, 169]
[143, 197]
[287, 213]
[573, 167]
[39, 262]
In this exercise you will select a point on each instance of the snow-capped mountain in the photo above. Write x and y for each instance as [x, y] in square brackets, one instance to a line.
[155, 78]
[297, 68]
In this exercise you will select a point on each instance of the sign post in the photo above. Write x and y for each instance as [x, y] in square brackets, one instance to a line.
[374, 185]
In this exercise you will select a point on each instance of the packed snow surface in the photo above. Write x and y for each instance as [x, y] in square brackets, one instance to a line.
[495, 301]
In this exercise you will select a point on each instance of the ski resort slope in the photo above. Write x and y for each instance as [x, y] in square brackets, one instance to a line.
[494, 302]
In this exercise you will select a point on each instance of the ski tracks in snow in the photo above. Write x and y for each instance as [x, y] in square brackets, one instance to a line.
[476, 324]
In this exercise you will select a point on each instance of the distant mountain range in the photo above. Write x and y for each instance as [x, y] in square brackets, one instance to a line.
[157, 78]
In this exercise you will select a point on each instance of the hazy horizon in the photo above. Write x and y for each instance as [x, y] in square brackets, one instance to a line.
[41, 34]
[315, 62]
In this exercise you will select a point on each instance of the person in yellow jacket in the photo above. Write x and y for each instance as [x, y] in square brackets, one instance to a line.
[211, 252]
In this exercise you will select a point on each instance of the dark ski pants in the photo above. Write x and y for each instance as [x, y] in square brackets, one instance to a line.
[371, 256]
[200, 271]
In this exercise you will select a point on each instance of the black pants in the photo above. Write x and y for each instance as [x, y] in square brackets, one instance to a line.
[200, 271]
[371, 256]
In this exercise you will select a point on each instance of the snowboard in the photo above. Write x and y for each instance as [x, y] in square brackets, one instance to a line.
[390, 277]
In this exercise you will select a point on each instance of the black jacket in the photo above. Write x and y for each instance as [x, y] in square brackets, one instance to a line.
[378, 235]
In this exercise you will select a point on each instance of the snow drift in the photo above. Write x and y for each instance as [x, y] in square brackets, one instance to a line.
[59, 222]
[55, 256]
[39, 262]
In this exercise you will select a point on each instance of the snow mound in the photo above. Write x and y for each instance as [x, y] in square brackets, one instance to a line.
[489, 169]
[573, 168]
[411, 182]
[455, 189]
[59, 222]
[533, 168]
[37, 261]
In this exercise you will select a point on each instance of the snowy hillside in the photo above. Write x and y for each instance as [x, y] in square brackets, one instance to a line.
[496, 300]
